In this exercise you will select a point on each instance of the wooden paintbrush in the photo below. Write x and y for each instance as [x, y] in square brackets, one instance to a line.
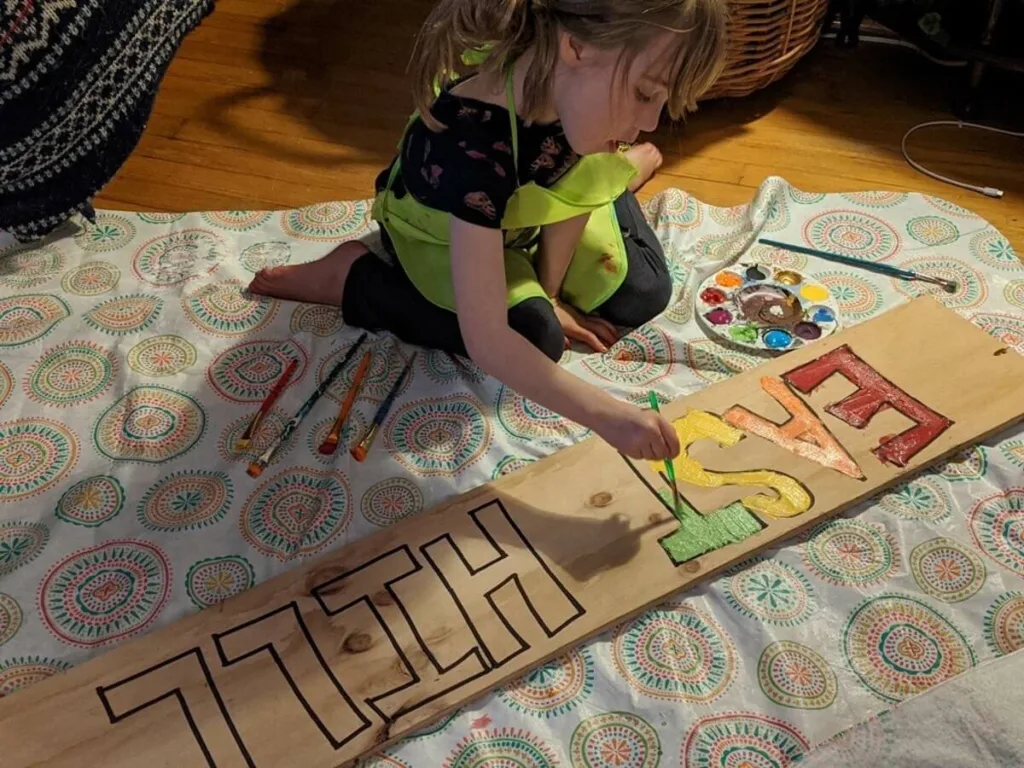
[330, 445]
[360, 451]
[243, 442]
[256, 468]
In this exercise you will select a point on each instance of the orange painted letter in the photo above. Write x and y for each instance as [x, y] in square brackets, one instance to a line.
[803, 434]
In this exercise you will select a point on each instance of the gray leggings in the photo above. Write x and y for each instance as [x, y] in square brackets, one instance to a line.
[379, 296]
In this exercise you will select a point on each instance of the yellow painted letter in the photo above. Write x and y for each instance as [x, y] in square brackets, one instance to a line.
[793, 499]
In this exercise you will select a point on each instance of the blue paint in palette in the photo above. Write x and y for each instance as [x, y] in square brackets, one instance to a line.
[777, 339]
[824, 315]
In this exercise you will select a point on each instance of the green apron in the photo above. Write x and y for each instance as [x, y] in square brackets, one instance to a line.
[420, 234]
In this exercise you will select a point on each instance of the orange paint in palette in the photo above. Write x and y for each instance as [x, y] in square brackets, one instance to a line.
[728, 279]
[763, 308]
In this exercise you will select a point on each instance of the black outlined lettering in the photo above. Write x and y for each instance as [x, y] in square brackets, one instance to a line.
[400, 652]
[305, 671]
[185, 677]
[369, 590]
[473, 563]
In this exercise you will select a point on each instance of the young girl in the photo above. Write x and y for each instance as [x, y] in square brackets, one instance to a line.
[508, 214]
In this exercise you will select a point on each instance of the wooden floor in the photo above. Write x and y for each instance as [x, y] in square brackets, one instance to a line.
[280, 103]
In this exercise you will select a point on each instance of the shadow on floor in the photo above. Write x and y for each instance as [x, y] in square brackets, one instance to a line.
[342, 67]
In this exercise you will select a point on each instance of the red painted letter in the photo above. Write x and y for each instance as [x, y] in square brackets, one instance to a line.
[874, 393]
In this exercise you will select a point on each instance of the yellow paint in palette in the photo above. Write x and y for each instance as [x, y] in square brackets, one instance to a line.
[793, 499]
[814, 292]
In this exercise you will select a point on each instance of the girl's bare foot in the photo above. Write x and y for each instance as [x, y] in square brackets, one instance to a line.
[318, 282]
[647, 159]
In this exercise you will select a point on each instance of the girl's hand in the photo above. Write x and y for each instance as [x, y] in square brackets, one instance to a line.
[640, 434]
[596, 333]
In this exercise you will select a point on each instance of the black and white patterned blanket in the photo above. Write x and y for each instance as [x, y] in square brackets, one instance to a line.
[77, 83]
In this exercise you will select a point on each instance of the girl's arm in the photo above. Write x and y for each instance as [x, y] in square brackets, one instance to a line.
[478, 277]
[557, 245]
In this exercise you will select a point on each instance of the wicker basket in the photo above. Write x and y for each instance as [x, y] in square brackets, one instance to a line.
[766, 39]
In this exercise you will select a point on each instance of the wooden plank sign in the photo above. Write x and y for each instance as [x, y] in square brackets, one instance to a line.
[353, 650]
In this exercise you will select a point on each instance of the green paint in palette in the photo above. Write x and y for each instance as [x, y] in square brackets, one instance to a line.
[744, 333]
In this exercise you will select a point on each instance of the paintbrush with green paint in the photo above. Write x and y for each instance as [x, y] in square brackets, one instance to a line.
[670, 471]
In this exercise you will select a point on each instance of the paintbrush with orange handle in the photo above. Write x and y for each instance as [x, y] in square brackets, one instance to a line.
[360, 451]
[243, 442]
[330, 445]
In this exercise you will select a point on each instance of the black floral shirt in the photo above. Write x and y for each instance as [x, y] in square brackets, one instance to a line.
[467, 169]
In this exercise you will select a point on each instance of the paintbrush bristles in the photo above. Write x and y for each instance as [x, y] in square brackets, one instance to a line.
[329, 446]
[363, 449]
[242, 444]
[257, 467]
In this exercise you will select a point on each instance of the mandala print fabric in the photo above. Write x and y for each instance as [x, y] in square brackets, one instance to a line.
[131, 359]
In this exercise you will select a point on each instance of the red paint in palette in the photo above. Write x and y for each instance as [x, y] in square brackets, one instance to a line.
[712, 296]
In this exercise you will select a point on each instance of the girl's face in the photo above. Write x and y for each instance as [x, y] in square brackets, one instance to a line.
[599, 107]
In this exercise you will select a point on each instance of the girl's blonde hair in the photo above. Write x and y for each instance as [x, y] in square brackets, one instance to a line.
[507, 28]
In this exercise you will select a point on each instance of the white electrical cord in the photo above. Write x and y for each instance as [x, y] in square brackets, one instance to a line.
[902, 44]
[987, 191]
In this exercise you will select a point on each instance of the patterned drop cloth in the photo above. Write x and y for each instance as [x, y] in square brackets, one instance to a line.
[132, 359]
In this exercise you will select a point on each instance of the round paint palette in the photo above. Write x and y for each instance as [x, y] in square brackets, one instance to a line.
[766, 308]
